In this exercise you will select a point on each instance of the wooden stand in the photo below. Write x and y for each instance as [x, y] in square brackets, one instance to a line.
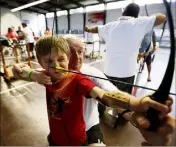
[28, 51]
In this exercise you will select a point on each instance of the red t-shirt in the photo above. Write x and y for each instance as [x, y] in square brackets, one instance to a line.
[67, 126]
[11, 35]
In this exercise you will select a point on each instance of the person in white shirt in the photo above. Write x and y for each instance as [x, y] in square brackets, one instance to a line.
[29, 38]
[123, 38]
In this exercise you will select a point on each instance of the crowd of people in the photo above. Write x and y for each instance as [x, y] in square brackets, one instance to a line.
[25, 34]
[72, 99]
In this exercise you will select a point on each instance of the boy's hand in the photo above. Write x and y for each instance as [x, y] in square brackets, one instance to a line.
[40, 78]
[21, 70]
[142, 105]
[17, 70]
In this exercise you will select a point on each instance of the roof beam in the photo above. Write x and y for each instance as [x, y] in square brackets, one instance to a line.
[104, 2]
[23, 3]
[55, 5]
[75, 2]
[101, 1]
[27, 9]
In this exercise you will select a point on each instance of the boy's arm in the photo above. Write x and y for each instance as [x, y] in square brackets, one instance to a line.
[126, 101]
[112, 99]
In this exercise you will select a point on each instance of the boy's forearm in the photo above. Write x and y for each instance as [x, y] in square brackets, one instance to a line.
[117, 99]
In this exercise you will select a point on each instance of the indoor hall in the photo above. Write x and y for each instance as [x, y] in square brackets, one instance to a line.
[23, 106]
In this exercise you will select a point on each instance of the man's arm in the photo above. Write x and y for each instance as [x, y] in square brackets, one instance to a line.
[160, 18]
[91, 29]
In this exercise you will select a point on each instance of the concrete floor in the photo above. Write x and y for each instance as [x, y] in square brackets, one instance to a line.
[23, 116]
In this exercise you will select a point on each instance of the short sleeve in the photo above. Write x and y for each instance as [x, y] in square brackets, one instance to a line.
[103, 31]
[147, 23]
[84, 85]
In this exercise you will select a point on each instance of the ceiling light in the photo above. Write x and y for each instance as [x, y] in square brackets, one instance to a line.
[28, 5]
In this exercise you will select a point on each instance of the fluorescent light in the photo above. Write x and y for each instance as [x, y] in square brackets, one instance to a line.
[28, 5]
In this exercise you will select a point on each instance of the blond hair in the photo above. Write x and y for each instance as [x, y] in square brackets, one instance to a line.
[73, 40]
[46, 45]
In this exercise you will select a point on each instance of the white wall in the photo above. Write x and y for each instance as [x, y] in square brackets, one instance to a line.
[112, 15]
[9, 19]
[76, 21]
[33, 21]
[42, 24]
[62, 22]
[50, 23]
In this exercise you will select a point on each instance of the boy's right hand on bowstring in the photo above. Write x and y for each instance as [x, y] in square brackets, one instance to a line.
[40, 78]
[21, 70]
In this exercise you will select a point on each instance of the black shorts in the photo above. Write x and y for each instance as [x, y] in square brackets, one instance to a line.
[94, 135]
[51, 142]
[31, 47]
[121, 86]
[148, 59]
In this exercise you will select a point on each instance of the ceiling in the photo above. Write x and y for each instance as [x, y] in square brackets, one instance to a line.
[52, 5]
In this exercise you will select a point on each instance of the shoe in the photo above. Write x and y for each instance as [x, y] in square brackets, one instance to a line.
[33, 57]
[148, 80]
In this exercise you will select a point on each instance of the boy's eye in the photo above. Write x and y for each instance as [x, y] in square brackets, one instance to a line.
[48, 61]
[61, 59]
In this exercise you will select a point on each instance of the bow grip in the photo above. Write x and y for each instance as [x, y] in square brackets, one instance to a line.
[153, 116]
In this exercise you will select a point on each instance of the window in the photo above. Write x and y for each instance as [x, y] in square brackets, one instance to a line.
[99, 7]
[119, 4]
[59, 13]
[78, 10]
[48, 15]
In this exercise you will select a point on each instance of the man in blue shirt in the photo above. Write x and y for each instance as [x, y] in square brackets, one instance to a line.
[148, 47]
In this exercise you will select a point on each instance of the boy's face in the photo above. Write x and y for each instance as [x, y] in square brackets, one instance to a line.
[55, 59]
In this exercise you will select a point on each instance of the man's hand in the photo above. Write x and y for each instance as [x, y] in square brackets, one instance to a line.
[86, 29]
[164, 134]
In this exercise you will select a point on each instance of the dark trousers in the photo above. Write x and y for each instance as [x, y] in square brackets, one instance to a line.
[121, 86]
[51, 142]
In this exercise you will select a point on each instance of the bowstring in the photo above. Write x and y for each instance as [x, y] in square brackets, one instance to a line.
[118, 81]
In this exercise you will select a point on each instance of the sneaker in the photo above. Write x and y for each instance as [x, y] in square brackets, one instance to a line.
[33, 57]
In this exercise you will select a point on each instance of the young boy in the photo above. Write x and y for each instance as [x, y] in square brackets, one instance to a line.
[65, 95]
